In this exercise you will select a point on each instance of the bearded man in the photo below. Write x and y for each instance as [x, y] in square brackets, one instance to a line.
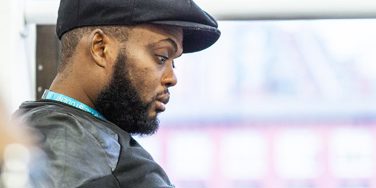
[117, 64]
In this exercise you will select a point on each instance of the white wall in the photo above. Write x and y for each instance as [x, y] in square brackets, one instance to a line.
[45, 11]
[289, 9]
[17, 54]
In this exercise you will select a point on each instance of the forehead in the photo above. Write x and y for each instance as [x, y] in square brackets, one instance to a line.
[153, 32]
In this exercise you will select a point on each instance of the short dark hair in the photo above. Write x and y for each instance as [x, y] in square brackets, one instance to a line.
[70, 40]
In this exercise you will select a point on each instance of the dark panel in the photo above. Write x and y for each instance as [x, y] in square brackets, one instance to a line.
[47, 57]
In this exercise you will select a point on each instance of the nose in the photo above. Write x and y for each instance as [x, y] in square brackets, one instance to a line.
[169, 78]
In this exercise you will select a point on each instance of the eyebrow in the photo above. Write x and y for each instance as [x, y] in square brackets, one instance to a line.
[172, 42]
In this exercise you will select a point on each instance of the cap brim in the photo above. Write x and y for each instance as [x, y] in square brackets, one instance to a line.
[196, 37]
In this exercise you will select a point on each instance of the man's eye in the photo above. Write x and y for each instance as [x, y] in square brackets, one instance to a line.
[162, 59]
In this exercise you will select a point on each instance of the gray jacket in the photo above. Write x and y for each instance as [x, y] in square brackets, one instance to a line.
[85, 151]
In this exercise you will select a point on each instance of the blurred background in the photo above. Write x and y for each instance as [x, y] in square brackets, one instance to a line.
[285, 99]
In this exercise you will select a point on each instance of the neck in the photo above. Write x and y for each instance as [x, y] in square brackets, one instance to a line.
[71, 89]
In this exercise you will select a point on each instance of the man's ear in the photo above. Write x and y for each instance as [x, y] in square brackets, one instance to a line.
[100, 44]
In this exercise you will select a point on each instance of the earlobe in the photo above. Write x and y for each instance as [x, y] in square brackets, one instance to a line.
[98, 47]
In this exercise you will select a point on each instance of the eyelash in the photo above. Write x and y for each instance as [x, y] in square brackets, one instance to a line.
[163, 59]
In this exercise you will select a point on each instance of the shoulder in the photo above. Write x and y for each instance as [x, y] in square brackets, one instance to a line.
[72, 144]
[53, 117]
[37, 113]
[53, 121]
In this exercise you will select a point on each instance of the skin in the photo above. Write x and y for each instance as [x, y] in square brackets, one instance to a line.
[150, 51]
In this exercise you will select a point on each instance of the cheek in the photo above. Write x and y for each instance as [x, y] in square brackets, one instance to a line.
[144, 74]
[147, 82]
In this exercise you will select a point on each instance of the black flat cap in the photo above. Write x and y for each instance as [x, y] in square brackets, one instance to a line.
[200, 30]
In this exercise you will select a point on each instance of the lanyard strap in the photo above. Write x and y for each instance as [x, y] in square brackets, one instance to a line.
[72, 102]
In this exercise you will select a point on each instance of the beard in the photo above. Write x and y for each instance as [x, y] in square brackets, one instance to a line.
[121, 104]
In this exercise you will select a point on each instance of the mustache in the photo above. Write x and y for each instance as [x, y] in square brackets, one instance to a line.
[164, 92]
[163, 96]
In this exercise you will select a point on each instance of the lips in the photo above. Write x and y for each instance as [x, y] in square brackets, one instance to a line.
[162, 100]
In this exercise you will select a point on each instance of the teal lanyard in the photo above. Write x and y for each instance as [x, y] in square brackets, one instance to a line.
[72, 102]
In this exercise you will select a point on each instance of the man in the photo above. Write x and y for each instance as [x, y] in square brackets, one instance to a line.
[117, 65]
